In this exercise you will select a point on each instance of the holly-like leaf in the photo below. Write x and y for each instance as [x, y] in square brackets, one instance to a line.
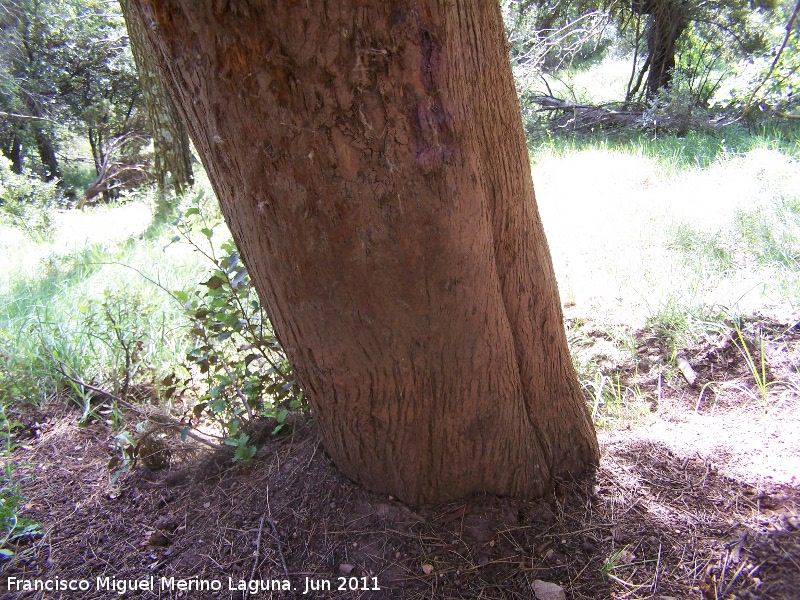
[214, 283]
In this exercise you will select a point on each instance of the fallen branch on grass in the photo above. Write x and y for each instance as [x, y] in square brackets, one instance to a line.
[587, 116]
[568, 114]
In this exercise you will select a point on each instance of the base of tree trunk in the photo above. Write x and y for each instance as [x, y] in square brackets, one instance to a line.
[371, 164]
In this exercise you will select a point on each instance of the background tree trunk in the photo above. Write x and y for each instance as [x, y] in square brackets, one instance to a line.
[44, 142]
[666, 23]
[47, 154]
[12, 150]
[170, 139]
[370, 161]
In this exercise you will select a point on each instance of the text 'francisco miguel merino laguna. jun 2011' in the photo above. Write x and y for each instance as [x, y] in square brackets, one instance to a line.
[153, 584]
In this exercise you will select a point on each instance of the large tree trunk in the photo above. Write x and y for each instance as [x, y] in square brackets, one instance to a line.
[370, 161]
[170, 139]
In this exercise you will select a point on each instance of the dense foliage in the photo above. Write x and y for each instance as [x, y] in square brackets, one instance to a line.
[67, 79]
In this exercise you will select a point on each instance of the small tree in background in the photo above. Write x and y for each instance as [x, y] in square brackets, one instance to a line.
[545, 34]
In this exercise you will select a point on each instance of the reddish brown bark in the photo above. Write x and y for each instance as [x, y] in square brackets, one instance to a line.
[370, 161]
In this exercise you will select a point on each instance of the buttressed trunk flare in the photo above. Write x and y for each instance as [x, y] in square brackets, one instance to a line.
[370, 162]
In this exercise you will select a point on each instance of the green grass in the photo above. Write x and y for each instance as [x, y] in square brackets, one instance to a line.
[612, 403]
[649, 219]
[771, 235]
[759, 244]
[677, 235]
[13, 526]
[66, 301]
[707, 251]
[110, 310]
[674, 154]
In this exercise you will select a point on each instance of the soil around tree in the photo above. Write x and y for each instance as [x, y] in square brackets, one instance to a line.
[674, 510]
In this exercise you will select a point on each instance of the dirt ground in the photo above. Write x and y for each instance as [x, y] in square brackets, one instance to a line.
[698, 499]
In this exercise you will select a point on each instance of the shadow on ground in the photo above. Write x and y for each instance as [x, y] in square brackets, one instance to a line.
[651, 524]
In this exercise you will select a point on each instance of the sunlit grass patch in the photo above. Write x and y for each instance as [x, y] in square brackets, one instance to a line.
[771, 234]
[63, 298]
[604, 355]
[674, 235]
[615, 404]
[674, 154]
[753, 256]
[706, 251]
[628, 230]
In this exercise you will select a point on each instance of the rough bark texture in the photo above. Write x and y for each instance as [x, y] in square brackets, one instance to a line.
[170, 139]
[370, 161]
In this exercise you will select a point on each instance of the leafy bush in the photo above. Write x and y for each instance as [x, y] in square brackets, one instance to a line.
[675, 109]
[766, 83]
[25, 200]
[237, 368]
[13, 527]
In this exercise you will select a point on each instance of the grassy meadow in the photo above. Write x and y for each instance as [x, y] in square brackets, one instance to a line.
[682, 237]
[66, 292]
[641, 225]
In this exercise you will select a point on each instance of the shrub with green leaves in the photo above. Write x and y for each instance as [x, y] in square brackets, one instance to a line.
[13, 527]
[25, 200]
[766, 84]
[237, 368]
